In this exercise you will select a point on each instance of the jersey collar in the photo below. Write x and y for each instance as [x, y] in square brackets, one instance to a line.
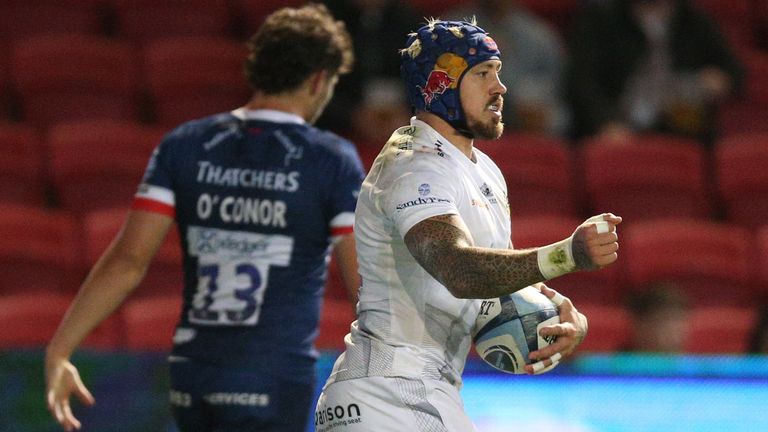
[434, 135]
[268, 115]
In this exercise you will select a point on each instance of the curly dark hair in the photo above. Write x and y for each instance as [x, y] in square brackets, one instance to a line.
[294, 43]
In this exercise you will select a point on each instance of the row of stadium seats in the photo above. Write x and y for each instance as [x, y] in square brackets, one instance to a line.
[716, 263]
[178, 75]
[143, 20]
[97, 164]
[649, 177]
[60, 77]
[137, 21]
[147, 324]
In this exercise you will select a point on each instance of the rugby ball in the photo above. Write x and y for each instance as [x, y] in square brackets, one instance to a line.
[507, 328]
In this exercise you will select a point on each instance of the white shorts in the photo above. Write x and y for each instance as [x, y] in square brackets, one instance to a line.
[391, 404]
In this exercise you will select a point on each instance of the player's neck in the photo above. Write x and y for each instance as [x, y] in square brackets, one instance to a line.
[280, 102]
[464, 144]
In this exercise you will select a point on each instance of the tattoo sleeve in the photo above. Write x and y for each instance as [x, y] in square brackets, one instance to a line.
[445, 249]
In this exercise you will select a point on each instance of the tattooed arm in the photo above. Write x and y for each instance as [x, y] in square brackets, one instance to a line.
[443, 246]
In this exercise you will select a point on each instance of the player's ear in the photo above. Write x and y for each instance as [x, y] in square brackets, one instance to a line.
[317, 81]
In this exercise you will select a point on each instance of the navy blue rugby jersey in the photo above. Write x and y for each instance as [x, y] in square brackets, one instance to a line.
[258, 197]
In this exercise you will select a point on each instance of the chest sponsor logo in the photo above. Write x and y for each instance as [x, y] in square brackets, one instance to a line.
[218, 175]
[421, 201]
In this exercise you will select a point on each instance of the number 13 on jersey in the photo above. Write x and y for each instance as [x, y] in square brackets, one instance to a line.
[233, 269]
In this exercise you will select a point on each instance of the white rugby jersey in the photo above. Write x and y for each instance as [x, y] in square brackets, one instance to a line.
[409, 324]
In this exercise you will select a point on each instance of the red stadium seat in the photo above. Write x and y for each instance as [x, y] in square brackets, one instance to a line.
[649, 177]
[99, 164]
[29, 320]
[732, 17]
[164, 276]
[142, 21]
[432, 8]
[762, 265]
[720, 329]
[22, 165]
[334, 286]
[23, 18]
[538, 173]
[609, 327]
[711, 261]
[368, 151]
[557, 12]
[40, 250]
[756, 63]
[67, 77]
[741, 163]
[253, 12]
[194, 77]
[150, 322]
[601, 286]
[742, 117]
[335, 319]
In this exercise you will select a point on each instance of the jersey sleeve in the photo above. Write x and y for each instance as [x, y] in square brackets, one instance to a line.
[345, 192]
[420, 191]
[155, 193]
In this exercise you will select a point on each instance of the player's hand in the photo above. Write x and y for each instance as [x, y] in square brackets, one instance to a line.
[570, 333]
[63, 379]
[595, 242]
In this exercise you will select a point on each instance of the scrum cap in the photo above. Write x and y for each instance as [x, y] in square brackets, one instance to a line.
[434, 61]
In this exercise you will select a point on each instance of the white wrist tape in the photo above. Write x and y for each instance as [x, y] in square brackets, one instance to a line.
[556, 259]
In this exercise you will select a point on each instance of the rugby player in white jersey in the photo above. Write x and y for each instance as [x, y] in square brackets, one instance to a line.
[432, 231]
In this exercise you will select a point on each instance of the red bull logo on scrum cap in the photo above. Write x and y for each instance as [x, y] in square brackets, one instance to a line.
[445, 75]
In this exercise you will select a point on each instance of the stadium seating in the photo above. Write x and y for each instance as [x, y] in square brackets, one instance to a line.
[29, 320]
[557, 12]
[40, 250]
[538, 172]
[431, 8]
[67, 77]
[164, 276]
[756, 63]
[23, 18]
[762, 265]
[251, 13]
[720, 329]
[742, 116]
[22, 165]
[600, 286]
[713, 262]
[732, 18]
[609, 327]
[211, 78]
[99, 164]
[142, 21]
[651, 176]
[335, 319]
[150, 322]
[741, 163]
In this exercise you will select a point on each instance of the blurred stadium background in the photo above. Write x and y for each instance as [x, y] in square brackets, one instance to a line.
[88, 88]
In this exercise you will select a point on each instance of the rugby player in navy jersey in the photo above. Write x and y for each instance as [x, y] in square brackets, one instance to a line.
[259, 196]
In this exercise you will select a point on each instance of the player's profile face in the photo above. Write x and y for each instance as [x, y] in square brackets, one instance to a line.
[482, 99]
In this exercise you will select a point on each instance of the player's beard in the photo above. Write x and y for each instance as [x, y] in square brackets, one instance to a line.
[489, 129]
